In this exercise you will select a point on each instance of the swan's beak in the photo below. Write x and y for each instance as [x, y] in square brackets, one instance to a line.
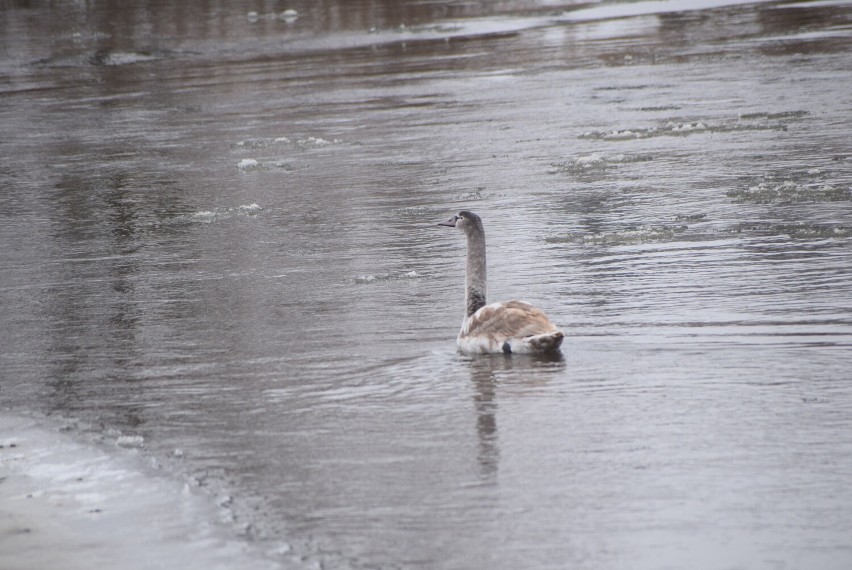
[451, 223]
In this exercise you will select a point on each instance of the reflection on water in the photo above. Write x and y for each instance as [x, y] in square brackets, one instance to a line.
[219, 235]
[486, 373]
[482, 374]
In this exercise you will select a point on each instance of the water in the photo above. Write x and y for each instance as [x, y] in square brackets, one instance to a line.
[220, 245]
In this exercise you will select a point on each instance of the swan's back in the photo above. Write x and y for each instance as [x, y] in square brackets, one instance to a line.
[512, 326]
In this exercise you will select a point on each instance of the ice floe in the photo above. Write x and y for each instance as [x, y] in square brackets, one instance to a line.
[595, 163]
[248, 164]
[385, 277]
[628, 236]
[288, 16]
[209, 216]
[672, 128]
[769, 192]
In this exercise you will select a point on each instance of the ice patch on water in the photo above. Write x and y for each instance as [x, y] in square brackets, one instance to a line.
[248, 164]
[478, 193]
[773, 115]
[790, 191]
[385, 277]
[807, 186]
[104, 58]
[298, 143]
[130, 441]
[288, 16]
[314, 142]
[812, 4]
[210, 216]
[806, 35]
[803, 231]
[595, 163]
[685, 127]
[632, 235]
[418, 211]
[690, 217]
[124, 57]
[632, 9]
[673, 128]
[252, 143]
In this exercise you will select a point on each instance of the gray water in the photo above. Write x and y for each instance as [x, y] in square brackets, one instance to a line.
[219, 234]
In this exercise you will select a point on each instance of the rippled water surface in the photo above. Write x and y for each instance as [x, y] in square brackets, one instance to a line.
[218, 230]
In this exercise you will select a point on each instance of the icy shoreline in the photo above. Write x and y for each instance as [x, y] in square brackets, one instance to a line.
[66, 504]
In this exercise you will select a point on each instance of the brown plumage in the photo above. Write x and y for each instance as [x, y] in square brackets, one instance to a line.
[510, 319]
[513, 326]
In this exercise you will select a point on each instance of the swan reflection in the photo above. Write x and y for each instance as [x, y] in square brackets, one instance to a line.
[487, 374]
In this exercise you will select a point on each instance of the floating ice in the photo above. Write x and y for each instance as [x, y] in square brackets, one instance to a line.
[802, 231]
[209, 216]
[685, 127]
[305, 143]
[314, 142]
[247, 163]
[595, 163]
[589, 160]
[790, 191]
[130, 441]
[281, 548]
[123, 57]
[680, 129]
[621, 135]
[629, 236]
[384, 277]
[632, 9]
[773, 116]
[289, 16]
[690, 217]
[283, 165]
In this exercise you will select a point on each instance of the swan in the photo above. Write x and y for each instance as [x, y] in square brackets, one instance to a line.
[508, 327]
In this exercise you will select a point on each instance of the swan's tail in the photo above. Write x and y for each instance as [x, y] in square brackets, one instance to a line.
[547, 342]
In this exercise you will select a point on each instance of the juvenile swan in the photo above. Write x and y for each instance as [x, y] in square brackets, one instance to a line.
[512, 326]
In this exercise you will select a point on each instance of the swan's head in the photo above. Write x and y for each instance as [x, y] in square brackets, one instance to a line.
[466, 221]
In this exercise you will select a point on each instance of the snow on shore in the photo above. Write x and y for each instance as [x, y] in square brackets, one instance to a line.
[69, 505]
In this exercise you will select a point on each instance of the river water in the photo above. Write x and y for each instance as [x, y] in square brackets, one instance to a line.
[220, 251]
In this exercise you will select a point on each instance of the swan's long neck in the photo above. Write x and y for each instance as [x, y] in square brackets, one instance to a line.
[475, 277]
